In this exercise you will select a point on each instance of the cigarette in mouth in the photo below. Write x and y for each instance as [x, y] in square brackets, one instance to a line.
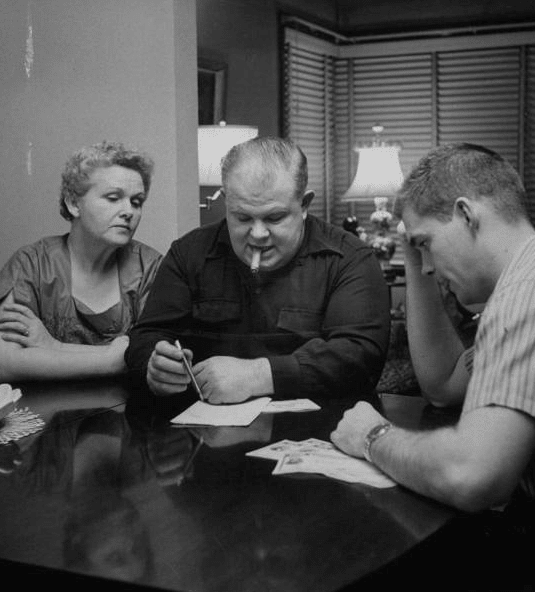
[255, 262]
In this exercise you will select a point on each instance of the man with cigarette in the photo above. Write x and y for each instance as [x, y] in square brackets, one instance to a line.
[269, 301]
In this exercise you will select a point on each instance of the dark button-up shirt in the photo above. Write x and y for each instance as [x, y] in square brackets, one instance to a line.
[322, 320]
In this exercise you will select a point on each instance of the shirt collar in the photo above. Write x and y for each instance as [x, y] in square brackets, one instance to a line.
[521, 257]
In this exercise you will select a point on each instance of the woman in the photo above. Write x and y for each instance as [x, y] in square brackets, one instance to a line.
[68, 301]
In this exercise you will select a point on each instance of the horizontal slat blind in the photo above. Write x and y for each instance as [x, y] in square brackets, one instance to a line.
[479, 98]
[343, 161]
[308, 116]
[395, 91]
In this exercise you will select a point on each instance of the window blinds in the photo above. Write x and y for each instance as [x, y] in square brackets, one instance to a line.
[308, 114]
[395, 91]
[426, 93]
[478, 99]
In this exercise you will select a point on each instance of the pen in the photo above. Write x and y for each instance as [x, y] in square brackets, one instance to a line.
[190, 372]
[255, 262]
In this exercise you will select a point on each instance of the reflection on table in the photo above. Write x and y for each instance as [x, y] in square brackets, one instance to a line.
[112, 490]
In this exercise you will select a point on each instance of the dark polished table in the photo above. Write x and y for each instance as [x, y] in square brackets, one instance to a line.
[110, 493]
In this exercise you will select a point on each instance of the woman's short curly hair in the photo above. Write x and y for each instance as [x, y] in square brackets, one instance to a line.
[75, 177]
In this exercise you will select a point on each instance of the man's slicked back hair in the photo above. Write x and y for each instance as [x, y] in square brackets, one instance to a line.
[462, 170]
[273, 153]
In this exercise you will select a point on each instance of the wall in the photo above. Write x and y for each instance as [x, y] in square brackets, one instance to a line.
[94, 70]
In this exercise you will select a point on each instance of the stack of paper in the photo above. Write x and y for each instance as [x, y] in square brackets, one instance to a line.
[240, 414]
[318, 456]
[291, 406]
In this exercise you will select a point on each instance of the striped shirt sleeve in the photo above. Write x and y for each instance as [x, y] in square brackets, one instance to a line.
[504, 350]
[468, 358]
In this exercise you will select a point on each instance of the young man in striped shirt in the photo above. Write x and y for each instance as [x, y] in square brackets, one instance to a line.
[466, 224]
[462, 207]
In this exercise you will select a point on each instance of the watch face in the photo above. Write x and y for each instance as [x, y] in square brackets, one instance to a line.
[376, 432]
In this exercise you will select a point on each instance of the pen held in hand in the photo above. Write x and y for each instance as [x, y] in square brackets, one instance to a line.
[190, 372]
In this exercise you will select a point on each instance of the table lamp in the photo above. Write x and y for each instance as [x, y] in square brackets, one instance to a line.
[214, 141]
[378, 177]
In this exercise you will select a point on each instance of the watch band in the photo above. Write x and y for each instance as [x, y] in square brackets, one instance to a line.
[376, 432]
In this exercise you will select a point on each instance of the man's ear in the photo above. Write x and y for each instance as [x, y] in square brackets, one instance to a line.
[464, 207]
[71, 203]
[307, 198]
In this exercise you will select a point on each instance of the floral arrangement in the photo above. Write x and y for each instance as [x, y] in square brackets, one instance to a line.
[383, 246]
[380, 240]
[381, 218]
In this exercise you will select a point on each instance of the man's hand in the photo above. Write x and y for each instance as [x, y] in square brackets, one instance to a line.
[166, 374]
[224, 379]
[19, 324]
[412, 255]
[351, 431]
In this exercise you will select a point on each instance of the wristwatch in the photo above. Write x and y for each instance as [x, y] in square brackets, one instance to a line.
[375, 433]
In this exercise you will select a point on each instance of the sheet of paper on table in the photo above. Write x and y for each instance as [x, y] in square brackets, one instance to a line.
[293, 405]
[321, 457]
[238, 414]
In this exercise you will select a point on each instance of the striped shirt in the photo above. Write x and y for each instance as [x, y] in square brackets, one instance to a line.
[504, 349]
[469, 359]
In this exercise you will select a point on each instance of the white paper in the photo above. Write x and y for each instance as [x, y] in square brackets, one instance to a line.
[321, 457]
[351, 470]
[273, 451]
[294, 405]
[276, 450]
[238, 414]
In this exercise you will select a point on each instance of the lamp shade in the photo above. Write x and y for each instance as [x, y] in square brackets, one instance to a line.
[214, 141]
[378, 174]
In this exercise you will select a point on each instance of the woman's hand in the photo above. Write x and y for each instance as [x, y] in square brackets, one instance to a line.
[19, 324]
[115, 354]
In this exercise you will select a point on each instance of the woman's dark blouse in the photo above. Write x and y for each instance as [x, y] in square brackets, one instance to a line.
[39, 276]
